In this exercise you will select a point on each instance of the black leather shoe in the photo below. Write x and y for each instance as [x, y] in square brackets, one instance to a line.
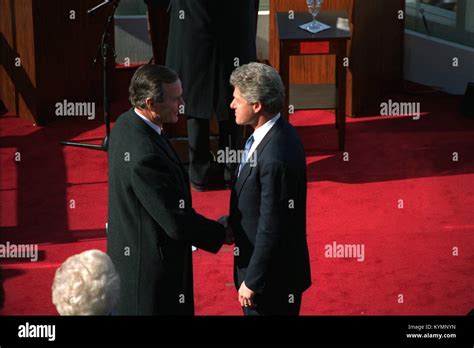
[199, 187]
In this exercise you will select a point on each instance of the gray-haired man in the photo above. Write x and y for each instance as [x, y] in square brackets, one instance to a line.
[268, 201]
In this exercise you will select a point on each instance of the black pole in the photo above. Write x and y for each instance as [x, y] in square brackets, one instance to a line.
[104, 51]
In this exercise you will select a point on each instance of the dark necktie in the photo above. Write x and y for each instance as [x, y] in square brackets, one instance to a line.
[248, 146]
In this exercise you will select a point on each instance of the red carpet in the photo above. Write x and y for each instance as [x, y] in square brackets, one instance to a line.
[57, 197]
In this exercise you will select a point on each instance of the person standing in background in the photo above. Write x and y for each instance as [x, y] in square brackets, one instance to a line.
[158, 28]
[207, 40]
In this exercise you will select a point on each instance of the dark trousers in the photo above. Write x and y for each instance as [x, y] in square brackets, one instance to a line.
[158, 29]
[275, 304]
[200, 157]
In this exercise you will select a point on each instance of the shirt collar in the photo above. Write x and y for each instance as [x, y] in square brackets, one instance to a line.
[154, 126]
[261, 131]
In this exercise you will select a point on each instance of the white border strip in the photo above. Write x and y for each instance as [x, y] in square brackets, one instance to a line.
[438, 40]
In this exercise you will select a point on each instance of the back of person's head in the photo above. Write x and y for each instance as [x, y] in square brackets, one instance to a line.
[147, 82]
[86, 284]
[260, 82]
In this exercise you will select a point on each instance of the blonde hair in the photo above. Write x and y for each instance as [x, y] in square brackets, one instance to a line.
[86, 284]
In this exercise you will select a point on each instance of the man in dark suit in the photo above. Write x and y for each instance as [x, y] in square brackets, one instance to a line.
[208, 40]
[268, 200]
[152, 224]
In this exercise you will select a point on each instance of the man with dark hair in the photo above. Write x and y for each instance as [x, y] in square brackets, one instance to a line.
[268, 200]
[152, 224]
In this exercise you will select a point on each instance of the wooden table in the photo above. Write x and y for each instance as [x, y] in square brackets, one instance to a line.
[291, 37]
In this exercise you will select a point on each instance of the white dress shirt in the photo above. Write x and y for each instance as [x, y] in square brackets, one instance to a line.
[260, 133]
[154, 126]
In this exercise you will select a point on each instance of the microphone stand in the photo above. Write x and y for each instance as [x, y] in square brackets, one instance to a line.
[104, 48]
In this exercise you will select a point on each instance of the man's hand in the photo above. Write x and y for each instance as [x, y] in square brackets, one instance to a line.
[246, 296]
[229, 236]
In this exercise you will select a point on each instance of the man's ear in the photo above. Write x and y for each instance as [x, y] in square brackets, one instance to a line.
[257, 107]
[150, 103]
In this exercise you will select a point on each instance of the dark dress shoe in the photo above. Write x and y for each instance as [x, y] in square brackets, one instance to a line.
[199, 187]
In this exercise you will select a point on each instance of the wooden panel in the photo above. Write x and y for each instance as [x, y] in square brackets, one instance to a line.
[312, 69]
[7, 90]
[56, 48]
[27, 86]
[375, 51]
[305, 69]
[17, 39]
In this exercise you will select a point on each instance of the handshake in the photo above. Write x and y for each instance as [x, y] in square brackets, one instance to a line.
[229, 235]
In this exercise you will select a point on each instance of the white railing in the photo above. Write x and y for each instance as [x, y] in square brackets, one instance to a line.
[452, 25]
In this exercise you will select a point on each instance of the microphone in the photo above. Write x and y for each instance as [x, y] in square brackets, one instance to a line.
[422, 11]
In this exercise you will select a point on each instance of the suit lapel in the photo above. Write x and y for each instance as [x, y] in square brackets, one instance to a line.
[247, 169]
[242, 178]
[165, 138]
[168, 148]
[164, 145]
[158, 139]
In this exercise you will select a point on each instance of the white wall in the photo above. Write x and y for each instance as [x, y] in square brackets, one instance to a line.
[429, 61]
